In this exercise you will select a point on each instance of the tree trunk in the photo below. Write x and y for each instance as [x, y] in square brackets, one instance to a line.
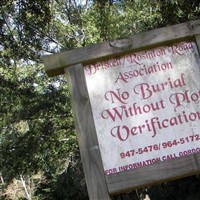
[25, 188]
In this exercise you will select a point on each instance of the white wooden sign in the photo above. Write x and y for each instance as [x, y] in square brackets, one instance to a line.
[136, 116]
[146, 106]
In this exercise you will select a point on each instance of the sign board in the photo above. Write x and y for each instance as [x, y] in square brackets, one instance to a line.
[146, 106]
[136, 107]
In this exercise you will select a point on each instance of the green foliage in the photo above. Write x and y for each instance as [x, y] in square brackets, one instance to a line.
[67, 185]
[23, 25]
[37, 129]
[176, 11]
[37, 126]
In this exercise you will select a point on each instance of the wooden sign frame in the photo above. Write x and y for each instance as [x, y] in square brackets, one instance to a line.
[72, 63]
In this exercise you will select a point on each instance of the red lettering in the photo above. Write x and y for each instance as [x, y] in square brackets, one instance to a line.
[121, 132]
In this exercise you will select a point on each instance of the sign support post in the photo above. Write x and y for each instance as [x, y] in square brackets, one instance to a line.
[86, 134]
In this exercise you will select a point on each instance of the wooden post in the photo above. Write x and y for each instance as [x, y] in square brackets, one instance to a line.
[55, 64]
[197, 38]
[86, 133]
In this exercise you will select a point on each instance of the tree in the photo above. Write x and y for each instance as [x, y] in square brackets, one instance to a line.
[36, 121]
[37, 129]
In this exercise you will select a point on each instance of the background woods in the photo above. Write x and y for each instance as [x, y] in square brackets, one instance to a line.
[39, 155]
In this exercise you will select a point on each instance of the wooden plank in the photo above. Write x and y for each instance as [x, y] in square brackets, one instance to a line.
[197, 38]
[157, 173]
[197, 159]
[86, 133]
[55, 64]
